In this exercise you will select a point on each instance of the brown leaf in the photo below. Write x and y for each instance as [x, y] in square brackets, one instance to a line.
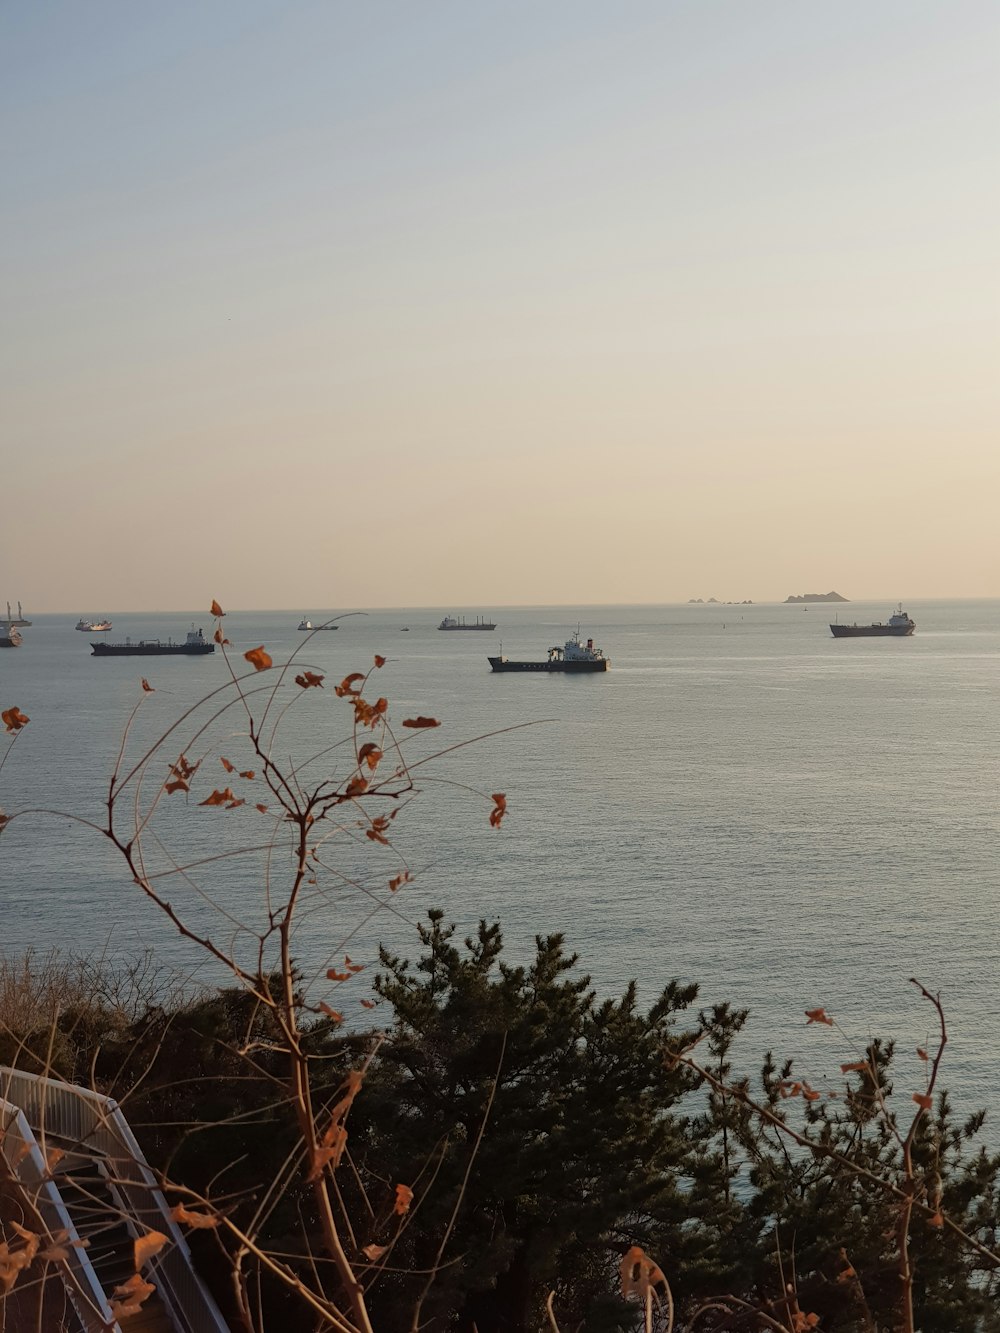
[356, 786]
[258, 658]
[199, 1221]
[148, 1245]
[368, 1004]
[346, 686]
[247, 773]
[922, 1053]
[404, 1197]
[369, 754]
[219, 637]
[14, 719]
[397, 880]
[499, 809]
[923, 1100]
[639, 1274]
[230, 768]
[178, 785]
[420, 722]
[262, 809]
[332, 1014]
[147, 688]
[333, 975]
[858, 1067]
[216, 609]
[309, 679]
[219, 797]
[379, 661]
[374, 1252]
[818, 1016]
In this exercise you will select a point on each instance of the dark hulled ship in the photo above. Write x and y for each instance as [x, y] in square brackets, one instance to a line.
[193, 646]
[573, 656]
[898, 626]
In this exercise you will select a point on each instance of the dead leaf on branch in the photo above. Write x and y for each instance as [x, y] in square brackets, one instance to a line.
[14, 719]
[147, 1246]
[217, 609]
[639, 1274]
[219, 797]
[199, 1221]
[309, 680]
[404, 1197]
[259, 658]
[499, 809]
[146, 687]
[818, 1016]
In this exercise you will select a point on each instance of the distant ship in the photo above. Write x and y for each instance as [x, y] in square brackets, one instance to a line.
[899, 626]
[9, 637]
[193, 646]
[574, 656]
[18, 619]
[450, 622]
[307, 624]
[92, 626]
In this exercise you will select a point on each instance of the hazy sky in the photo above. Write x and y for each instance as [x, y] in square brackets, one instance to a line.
[472, 303]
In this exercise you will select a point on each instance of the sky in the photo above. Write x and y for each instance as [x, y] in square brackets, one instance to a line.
[471, 304]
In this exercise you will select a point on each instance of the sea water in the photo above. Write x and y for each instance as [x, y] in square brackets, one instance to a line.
[790, 820]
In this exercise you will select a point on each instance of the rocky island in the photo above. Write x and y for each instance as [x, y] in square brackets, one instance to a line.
[818, 597]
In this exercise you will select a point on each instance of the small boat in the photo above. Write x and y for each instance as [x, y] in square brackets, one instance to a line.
[18, 619]
[450, 622]
[93, 626]
[574, 656]
[308, 625]
[898, 626]
[9, 637]
[193, 646]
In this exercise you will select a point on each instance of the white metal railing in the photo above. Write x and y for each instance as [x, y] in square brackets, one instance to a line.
[26, 1165]
[95, 1124]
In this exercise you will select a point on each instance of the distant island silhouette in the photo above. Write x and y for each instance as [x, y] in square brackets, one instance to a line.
[714, 601]
[818, 597]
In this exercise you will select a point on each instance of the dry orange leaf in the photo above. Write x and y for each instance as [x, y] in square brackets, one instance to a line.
[148, 1245]
[259, 658]
[346, 686]
[356, 786]
[859, 1067]
[936, 1221]
[309, 679]
[147, 688]
[200, 1221]
[922, 1053]
[230, 768]
[404, 1197]
[397, 880]
[923, 1100]
[499, 809]
[419, 722]
[216, 608]
[377, 830]
[219, 637]
[374, 1252]
[368, 1004]
[379, 661]
[370, 754]
[248, 773]
[638, 1273]
[331, 1013]
[262, 809]
[333, 975]
[219, 797]
[14, 719]
[818, 1016]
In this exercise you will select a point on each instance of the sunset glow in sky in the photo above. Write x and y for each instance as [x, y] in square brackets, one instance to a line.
[470, 303]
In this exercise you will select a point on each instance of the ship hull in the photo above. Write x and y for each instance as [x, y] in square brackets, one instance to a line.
[872, 631]
[151, 649]
[449, 629]
[574, 668]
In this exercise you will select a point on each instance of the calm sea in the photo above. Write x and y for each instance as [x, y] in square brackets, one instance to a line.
[742, 801]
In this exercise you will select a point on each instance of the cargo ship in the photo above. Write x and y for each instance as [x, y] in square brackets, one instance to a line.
[308, 625]
[9, 637]
[573, 656]
[193, 646]
[92, 626]
[898, 626]
[450, 622]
